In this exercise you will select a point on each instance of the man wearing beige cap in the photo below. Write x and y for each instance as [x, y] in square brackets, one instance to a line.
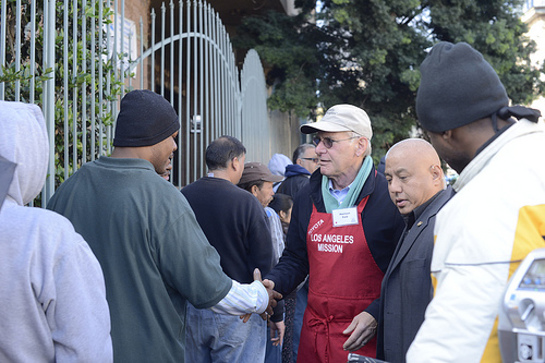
[259, 180]
[343, 232]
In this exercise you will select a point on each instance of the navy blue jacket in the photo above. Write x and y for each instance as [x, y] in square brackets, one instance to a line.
[296, 179]
[235, 223]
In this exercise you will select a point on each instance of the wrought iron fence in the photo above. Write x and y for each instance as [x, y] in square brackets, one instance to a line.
[77, 58]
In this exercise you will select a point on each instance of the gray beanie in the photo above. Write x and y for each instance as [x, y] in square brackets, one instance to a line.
[457, 87]
[145, 118]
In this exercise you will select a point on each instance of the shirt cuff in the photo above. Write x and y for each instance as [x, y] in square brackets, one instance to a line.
[243, 299]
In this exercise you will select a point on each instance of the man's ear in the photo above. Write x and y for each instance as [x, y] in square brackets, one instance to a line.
[456, 138]
[254, 189]
[436, 172]
[362, 146]
[447, 135]
[235, 164]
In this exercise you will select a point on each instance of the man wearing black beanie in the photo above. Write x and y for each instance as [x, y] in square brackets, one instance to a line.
[498, 213]
[154, 255]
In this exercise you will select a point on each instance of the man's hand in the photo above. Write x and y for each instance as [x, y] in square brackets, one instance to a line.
[273, 297]
[246, 317]
[363, 327]
[277, 332]
[267, 283]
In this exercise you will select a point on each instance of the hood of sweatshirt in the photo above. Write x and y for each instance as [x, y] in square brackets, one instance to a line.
[23, 141]
[296, 169]
[7, 168]
[277, 164]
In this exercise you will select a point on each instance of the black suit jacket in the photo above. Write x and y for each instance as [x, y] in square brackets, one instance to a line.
[406, 288]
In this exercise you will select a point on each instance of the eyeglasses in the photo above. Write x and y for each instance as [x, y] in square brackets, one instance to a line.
[314, 160]
[328, 143]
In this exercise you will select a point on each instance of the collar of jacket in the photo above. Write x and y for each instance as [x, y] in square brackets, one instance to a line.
[519, 129]
[295, 169]
[316, 183]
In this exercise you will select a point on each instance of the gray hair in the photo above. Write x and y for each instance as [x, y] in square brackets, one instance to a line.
[300, 151]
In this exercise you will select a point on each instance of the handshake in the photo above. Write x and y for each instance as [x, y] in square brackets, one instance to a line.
[273, 297]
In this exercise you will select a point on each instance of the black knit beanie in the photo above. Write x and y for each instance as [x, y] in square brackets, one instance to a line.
[457, 87]
[145, 119]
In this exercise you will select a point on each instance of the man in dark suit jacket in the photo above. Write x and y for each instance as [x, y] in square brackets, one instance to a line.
[417, 187]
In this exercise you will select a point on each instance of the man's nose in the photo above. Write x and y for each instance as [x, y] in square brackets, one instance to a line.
[394, 186]
[320, 149]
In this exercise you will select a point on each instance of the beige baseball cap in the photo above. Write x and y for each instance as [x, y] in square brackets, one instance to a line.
[342, 118]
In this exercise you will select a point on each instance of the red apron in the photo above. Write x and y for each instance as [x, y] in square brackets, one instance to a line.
[343, 280]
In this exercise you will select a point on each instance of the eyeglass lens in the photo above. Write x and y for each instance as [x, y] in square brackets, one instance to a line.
[326, 140]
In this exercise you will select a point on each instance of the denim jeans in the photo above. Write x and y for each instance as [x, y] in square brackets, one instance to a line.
[300, 306]
[217, 338]
[273, 354]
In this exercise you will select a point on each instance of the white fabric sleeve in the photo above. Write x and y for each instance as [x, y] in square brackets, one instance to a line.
[243, 299]
[461, 316]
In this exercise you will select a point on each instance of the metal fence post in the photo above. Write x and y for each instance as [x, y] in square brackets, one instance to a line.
[49, 95]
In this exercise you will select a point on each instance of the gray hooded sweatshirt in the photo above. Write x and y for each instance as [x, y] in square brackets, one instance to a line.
[52, 289]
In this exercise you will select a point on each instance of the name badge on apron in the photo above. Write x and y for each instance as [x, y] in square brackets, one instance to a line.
[345, 217]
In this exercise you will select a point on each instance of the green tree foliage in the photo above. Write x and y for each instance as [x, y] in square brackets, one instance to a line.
[495, 29]
[287, 48]
[382, 43]
[368, 52]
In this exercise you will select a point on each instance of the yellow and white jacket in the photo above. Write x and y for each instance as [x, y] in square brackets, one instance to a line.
[496, 218]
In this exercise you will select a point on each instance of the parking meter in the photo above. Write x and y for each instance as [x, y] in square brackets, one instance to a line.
[521, 327]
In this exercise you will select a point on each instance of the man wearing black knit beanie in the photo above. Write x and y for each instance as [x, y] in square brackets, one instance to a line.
[154, 255]
[498, 213]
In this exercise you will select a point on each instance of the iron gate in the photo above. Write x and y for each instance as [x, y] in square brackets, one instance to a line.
[77, 58]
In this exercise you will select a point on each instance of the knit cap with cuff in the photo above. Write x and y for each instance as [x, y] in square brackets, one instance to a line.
[146, 118]
[458, 86]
